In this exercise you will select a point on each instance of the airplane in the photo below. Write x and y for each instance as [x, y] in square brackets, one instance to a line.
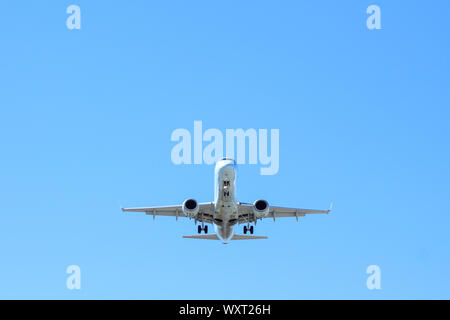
[225, 212]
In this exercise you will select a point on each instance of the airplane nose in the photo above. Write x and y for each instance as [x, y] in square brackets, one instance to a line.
[227, 170]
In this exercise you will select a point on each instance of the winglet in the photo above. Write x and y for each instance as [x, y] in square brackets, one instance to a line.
[331, 207]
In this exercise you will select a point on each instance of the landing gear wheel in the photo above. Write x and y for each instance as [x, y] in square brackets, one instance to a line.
[251, 230]
[206, 229]
[245, 229]
[199, 229]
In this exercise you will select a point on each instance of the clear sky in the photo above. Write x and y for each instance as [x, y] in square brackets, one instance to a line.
[86, 117]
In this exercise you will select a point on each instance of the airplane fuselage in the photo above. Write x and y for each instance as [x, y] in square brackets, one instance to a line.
[225, 206]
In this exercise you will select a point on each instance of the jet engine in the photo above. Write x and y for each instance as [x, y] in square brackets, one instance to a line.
[261, 208]
[190, 208]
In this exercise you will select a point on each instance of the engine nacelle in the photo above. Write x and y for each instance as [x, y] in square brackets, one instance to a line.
[261, 208]
[190, 208]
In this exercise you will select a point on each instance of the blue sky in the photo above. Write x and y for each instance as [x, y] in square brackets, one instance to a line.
[86, 117]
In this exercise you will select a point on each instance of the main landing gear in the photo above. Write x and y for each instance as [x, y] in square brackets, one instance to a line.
[248, 229]
[204, 228]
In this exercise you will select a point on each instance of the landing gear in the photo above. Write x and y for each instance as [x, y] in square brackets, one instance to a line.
[200, 229]
[226, 185]
[248, 229]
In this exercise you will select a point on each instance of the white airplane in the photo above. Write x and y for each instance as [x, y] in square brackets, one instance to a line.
[224, 213]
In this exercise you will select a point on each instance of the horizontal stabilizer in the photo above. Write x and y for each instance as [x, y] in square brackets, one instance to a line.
[245, 237]
[203, 236]
[215, 237]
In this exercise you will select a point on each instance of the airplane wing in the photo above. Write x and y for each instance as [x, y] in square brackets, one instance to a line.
[246, 212]
[205, 213]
